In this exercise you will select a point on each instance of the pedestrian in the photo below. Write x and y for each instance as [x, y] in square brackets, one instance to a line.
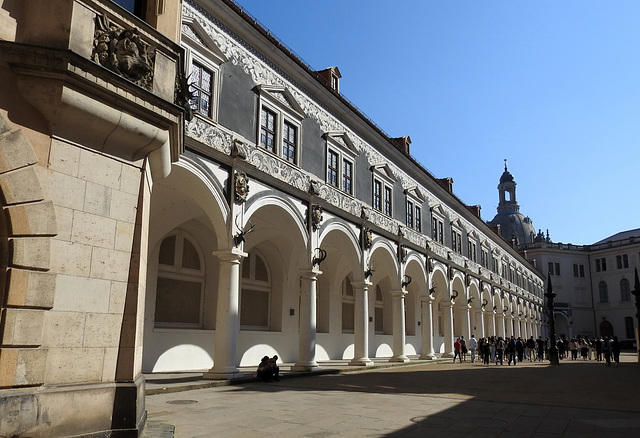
[463, 348]
[520, 349]
[473, 346]
[500, 351]
[456, 351]
[615, 350]
[606, 350]
[511, 349]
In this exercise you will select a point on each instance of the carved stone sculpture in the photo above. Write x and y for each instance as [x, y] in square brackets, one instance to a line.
[123, 52]
[241, 185]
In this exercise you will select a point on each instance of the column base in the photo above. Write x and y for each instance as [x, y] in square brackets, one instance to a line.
[402, 358]
[306, 367]
[363, 361]
[223, 374]
[430, 356]
[450, 354]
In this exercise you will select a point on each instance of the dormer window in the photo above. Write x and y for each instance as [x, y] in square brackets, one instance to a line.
[383, 181]
[280, 119]
[341, 156]
[331, 77]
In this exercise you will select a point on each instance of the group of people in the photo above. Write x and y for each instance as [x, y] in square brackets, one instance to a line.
[268, 369]
[605, 348]
[497, 350]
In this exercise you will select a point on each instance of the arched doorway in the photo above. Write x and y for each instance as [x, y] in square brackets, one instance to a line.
[606, 329]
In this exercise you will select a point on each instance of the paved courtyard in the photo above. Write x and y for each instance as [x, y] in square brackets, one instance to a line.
[574, 399]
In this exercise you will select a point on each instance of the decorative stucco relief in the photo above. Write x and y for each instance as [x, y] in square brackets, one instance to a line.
[210, 135]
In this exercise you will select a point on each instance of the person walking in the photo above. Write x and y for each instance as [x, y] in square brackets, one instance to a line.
[500, 351]
[456, 351]
[606, 349]
[615, 350]
[473, 346]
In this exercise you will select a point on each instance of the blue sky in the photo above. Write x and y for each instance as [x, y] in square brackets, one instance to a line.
[552, 86]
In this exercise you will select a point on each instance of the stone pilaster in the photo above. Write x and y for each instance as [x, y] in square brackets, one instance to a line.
[361, 324]
[399, 335]
[426, 312]
[307, 335]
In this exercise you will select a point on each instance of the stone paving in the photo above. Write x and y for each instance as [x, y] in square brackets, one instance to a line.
[426, 399]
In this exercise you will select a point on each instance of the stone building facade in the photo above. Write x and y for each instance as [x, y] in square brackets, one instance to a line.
[148, 229]
[593, 283]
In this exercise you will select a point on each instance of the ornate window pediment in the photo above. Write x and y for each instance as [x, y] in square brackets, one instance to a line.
[282, 97]
[193, 34]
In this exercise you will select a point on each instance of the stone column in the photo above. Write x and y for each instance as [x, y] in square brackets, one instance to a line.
[426, 312]
[480, 327]
[447, 319]
[466, 324]
[399, 335]
[361, 324]
[307, 331]
[227, 316]
[494, 323]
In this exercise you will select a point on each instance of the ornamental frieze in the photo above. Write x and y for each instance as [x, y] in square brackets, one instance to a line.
[209, 135]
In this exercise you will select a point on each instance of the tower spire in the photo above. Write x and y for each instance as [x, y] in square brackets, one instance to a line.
[505, 164]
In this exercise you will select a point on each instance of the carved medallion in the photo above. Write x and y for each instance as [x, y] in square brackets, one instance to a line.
[241, 185]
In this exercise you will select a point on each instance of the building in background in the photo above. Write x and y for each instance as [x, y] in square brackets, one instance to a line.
[593, 284]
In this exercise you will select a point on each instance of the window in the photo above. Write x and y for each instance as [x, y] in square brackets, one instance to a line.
[180, 285]
[377, 195]
[629, 329]
[484, 257]
[341, 156]
[409, 214]
[601, 264]
[201, 85]
[622, 261]
[348, 306]
[332, 169]
[136, 7]
[383, 181]
[414, 216]
[471, 250]
[625, 292]
[268, 129]
[437, 229]
[255, 297]
[554, 268]
[279, 123]
[495, 264]
[379, 311]
[347, 176]
[387, 201]
[604, 293]
[456, 241]
[289, 142]
[578, 270]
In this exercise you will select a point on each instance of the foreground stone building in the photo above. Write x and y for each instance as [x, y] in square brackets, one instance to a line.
[146, 228]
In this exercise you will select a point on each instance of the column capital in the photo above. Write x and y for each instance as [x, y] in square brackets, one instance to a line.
[230, 255]
[399, 293]
[310, 274]
[427, 299]
[360, 285]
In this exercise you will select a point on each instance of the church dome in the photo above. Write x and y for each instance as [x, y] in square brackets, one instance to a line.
[506, 176]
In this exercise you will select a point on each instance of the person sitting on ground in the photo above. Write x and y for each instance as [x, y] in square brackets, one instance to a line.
[264, 372]
[274, 368]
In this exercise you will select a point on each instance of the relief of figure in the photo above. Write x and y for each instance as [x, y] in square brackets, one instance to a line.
[316, 216]
[124, 52]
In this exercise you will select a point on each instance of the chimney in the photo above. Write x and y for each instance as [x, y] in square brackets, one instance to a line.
[402, 144]
[446, 183]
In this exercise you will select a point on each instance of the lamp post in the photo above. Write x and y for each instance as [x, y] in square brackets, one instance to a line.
[636, 292]
[553, 348]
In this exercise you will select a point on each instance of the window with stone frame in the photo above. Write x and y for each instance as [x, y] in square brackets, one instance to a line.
[348, 306]
[603, 292]
[382, 196]
[625, 290]
[180, 283]
[255, 293]
[414, 201]
[341, 158]
[279, 123]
